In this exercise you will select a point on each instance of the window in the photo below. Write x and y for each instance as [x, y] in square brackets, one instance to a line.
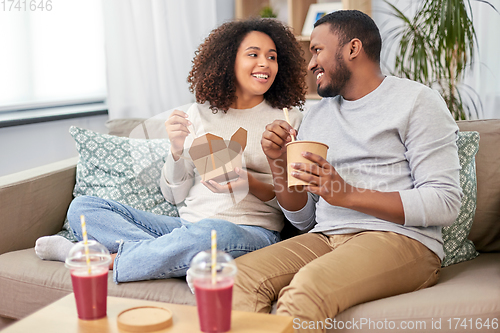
[52, 53]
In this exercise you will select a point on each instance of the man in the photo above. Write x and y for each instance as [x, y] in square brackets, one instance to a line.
[375, 207]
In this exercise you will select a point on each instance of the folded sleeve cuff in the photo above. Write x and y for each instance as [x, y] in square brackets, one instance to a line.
[273, 203]
[174, 171]
[413, 208]
[303, 218]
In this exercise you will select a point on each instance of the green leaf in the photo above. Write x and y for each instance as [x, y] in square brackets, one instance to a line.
[435, 46]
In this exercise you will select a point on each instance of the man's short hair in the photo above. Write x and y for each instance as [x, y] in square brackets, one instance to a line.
[349, 24]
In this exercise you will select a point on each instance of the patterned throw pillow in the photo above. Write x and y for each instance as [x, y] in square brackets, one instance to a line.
[121, 169]
[457, 247]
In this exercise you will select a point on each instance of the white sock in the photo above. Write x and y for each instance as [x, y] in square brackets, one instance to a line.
[189, 280]
[53, 247]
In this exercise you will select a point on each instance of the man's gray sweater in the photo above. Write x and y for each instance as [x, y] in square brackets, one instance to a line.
[400, 137]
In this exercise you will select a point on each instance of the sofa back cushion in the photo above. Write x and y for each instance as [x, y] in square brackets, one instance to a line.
[138, 128]
[485, 231]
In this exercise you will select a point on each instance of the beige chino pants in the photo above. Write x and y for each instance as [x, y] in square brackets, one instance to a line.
[315, 276]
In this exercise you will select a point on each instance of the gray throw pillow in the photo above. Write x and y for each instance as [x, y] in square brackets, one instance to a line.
[121, 169]
[457, 247]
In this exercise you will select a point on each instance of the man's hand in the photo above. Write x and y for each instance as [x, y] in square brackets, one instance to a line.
[176, 126]
[275, 138]
[324, 181]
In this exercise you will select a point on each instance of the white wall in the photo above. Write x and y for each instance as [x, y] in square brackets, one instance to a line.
[27, 146]
[225, 10]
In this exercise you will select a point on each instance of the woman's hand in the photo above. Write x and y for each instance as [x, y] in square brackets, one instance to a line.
[240, 184]
[177, 129]
[245, 183]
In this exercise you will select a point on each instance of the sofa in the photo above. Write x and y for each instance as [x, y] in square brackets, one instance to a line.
[33, 203]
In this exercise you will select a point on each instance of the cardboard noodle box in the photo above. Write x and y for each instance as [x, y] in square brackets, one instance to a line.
[215, 158]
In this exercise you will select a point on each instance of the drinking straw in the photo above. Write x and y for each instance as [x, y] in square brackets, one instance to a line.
[85, 241]
[214, 255]
[285, 111]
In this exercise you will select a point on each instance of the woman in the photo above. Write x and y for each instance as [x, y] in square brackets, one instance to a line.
[243, 74]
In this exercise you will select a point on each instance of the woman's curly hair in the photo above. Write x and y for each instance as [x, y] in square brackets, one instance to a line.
[213, 79]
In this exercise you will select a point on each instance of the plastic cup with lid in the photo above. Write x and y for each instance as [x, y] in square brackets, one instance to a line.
[89, 277]
[214, 293]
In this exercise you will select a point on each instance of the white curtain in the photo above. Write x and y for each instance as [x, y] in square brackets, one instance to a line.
[149, 48]
[484, 76]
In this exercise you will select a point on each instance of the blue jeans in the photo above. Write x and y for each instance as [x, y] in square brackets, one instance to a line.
[151, 246]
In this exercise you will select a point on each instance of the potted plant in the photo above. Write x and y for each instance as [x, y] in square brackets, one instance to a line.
[435, 46]
[267, 12]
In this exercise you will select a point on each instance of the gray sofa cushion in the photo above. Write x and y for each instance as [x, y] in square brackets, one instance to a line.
[24, 292]
[469, 290]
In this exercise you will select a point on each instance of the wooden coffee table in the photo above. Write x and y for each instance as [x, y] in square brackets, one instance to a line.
[61, 317]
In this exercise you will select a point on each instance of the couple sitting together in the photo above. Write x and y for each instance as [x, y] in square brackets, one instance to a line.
[372, 211]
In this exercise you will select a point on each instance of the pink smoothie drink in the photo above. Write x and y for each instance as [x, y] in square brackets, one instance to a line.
[90, 292]
[214, 304]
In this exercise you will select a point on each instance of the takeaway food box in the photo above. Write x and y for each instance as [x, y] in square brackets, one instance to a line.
[216, 158]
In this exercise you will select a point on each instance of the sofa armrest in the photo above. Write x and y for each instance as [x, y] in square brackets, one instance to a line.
[33, 203]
